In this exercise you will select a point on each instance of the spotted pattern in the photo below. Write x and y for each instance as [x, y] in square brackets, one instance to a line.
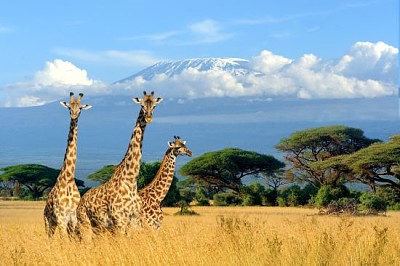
[153, 194]
[63, 199]
[115, 206]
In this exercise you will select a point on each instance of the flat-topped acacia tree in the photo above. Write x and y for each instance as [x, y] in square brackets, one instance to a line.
[305, 147]
[35, 178]
[226, 168]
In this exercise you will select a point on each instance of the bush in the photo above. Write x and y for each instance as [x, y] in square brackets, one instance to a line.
[270, 197]
[253, 194]
[389, 195]
[394, 207]
[226, 199]
[252, 200]
[185, 209]
[327, 194]
[281, 201]
[201, 198]
[371, 203]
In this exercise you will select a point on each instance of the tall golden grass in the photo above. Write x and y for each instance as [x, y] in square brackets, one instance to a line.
[218, 236]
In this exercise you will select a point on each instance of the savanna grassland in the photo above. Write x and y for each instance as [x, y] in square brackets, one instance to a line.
[218, 236]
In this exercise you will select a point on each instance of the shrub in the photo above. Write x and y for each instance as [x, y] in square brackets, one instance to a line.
[371, 203]
[201, 198]
[327, 194]
[226, 199]
[281, 201]
[394, 207]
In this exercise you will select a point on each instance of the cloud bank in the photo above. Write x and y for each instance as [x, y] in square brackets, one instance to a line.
[52, 83]
[367, 70]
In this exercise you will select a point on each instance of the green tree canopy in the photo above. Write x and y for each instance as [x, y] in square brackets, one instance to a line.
[318, 144]
[35, 177]
[226, 168]
[377, 164]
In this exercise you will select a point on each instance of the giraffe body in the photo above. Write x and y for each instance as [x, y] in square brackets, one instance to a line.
[115, 205]
[63, 199]
[153, 194]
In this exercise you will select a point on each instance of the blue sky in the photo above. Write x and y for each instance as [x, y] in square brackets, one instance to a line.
[100, 42]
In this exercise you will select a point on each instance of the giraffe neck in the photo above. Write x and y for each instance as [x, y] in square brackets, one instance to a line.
[68, 168]
[165, 174]
[130, 164]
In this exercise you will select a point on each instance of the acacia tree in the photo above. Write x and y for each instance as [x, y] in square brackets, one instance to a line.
[224, 169]
[308, 146]
[34, 177]
[376, 165]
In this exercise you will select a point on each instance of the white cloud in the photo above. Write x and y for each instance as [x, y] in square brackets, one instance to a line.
[368, 70]
[268, 63]
[208, 31]
[29, 101]
[55, 81]
[366, 60]
[61, 73]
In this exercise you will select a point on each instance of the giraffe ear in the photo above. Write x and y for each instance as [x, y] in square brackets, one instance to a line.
[158, 100]
[86, 106]
[136, 100]
[65, 104]
[170, 145]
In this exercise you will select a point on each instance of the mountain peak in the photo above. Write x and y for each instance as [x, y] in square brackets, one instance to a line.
[235, 66]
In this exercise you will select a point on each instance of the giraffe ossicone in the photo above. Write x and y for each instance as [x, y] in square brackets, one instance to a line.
[63, 199]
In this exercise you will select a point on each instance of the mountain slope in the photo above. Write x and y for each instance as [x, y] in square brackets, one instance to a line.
[235, 66]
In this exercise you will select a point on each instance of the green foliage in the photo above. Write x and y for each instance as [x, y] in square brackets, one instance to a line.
[394, 207]
[253, 194]
[375, 165]
[102, 175]
[185, 209]
[318, 144]
[390, 195]
[327, 194]
[201, 197]
[225, 168]
[226, 199]
[35, 178]
[371, 203]
[296, 195]
[147, 172]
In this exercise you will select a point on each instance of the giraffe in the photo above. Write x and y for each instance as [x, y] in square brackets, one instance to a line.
[114, 205]
[153, 194]
[63, 199]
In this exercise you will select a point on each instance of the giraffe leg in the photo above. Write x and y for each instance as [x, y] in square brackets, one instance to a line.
[83, 229]
[50, 225]
[71, 227]
[63, 228]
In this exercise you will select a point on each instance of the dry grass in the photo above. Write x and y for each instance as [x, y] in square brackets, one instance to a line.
[218, 236]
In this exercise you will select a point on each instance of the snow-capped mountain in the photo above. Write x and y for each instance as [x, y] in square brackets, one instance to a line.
[235, 66]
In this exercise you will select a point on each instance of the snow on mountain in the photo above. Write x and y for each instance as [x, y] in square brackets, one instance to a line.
[234, 66]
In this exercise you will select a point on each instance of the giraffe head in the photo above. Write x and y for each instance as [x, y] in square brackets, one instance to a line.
[75, 106]
[148, 103]
[179, 147]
